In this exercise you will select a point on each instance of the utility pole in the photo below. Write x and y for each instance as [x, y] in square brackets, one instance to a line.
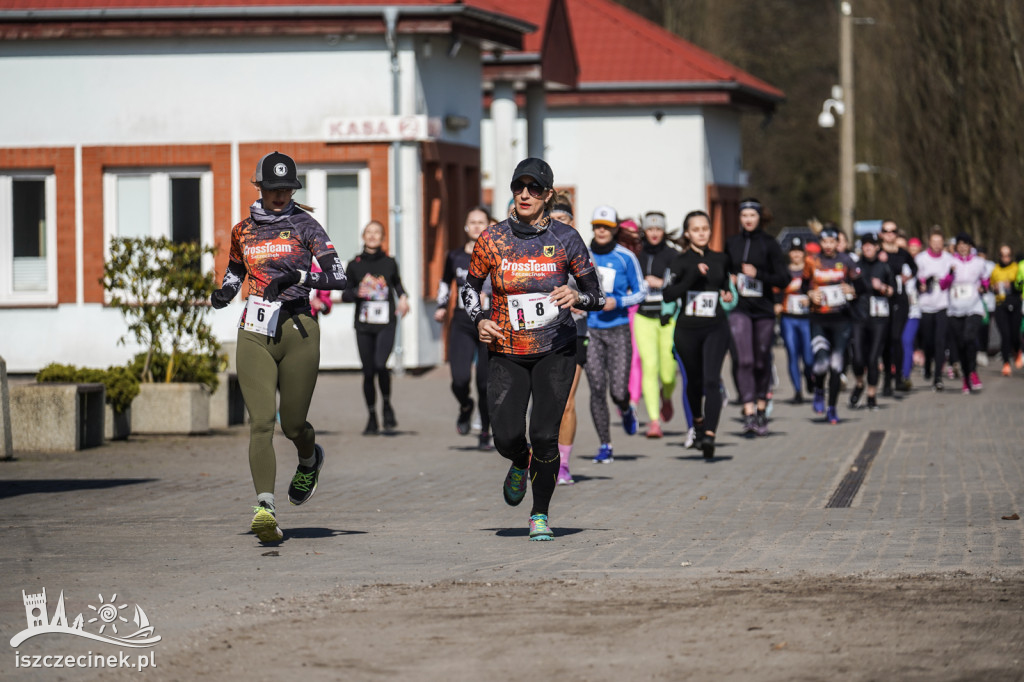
[847, 173]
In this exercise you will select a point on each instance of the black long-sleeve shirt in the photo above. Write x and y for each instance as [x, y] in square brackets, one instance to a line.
[759, 249]
[380, 271]
[700, 293]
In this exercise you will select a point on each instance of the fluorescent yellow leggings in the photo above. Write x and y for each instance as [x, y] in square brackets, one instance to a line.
[654, 343]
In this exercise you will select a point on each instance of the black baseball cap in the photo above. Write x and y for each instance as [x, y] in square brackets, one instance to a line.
[277, 171]
[869, 238]
[538, 169]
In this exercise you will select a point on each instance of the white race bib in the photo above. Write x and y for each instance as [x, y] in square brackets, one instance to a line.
[798, 304]
[531, 311]
[375, 312]
[833, 296]
[963, 292]
[260, 316]
[701, 303]
[912, 295]
[749, 286]
[654, 295]
[878, 306]
[1002, 288]
[607, 278]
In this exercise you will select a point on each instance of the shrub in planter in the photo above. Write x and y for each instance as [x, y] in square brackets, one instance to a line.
[120, 382]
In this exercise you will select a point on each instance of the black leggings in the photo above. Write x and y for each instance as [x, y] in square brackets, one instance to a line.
[1008, 322]
[830, 337]
[464, 346]
[868, 338]
[374, 348]
[512, 382]
[702, 351]
[932, 337]
[964, 337]
[892, 348]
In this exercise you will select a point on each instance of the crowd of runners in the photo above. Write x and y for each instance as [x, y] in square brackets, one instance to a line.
[640, 310]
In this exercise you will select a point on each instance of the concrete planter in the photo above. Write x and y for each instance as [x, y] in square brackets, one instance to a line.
[118, 425]
[171, 408]
[55, 417]
[227, 407]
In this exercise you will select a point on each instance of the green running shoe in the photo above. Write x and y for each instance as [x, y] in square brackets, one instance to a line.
[539, 528]
[514, 488]
[264, 524]
[305, 479]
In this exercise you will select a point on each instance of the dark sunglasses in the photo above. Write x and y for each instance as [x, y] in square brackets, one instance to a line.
[888, 231]
[535, 189]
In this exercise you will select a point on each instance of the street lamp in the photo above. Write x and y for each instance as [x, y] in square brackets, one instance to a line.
[842, 103]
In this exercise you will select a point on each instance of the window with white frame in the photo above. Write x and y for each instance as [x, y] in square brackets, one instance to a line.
[340, 197]
[28, 239]
[176, 204]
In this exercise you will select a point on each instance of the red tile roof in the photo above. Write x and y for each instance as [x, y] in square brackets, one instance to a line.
[614, 45]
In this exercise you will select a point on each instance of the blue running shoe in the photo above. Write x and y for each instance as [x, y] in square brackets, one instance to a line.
[604, 454]
[514, 488]
[832, 417]
[629, 420]
[539, 528]
[819, 401]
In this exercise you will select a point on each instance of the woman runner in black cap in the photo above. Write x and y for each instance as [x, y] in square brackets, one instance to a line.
[530, 332]
[278, 339]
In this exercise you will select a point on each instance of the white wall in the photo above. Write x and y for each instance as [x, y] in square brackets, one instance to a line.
[623, 157]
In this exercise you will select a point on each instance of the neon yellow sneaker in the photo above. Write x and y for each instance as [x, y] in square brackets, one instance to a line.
[539, 528]
[264, 524]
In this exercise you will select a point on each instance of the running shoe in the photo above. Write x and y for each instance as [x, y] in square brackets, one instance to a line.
[628, 420]
[707, 446]
[872, 403]
[855, 395]
[539, 528]
[832, 416]
[966, 390]
[264, 523]
[1018, 362]
[769, 406]
[654, 429]
[564, 477]
[514, 489]
[952, 371]
[698, 436]
[390, 423]
[604, 454]
[691, 437]
[904, 384]
[938, 386]
[887, 389]
[462, 422]
[819, 401]
[761, 424]
[981, 359]
[750, 425]
[666, 409]
[305, 479]
[975, 382]
[1006, 369]
[485, 441]
[798, 399]
[371, 425]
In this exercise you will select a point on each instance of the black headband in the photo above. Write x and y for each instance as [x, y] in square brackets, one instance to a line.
[751, 204]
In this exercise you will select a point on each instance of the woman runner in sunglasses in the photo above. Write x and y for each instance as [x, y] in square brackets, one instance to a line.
[530, 332]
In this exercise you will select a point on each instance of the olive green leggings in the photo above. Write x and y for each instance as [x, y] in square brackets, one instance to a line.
[290, 365]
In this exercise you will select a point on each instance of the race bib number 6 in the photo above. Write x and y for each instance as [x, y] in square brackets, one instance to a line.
[531, 311]
[260, 316]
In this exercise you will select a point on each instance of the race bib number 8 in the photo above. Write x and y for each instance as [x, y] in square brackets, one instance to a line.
[833, 296]
[749, 286]
[531, 311]
[701, 303]
[375, 312]
[260, 316]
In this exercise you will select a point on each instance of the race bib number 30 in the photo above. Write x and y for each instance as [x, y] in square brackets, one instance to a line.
[375, 312]
[261, 316]
[701, 303]
[531, 311]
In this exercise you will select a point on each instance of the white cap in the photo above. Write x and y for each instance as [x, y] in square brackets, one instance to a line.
[605, 215]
